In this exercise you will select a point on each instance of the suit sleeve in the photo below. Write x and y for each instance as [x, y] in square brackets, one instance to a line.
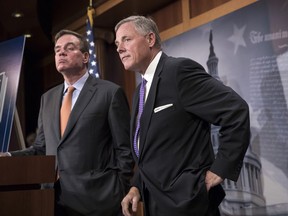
[220, 105]
[119, 120]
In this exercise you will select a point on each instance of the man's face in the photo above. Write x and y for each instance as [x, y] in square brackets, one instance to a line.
[68, 57]
[133, 48]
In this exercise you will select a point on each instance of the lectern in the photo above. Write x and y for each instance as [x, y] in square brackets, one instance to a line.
[20, 181]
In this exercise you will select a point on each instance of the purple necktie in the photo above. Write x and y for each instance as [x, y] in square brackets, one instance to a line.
[140, 110]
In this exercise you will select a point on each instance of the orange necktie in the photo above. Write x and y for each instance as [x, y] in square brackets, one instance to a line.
[66, 108]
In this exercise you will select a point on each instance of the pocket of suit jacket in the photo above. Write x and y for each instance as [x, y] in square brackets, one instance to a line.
[163, 107]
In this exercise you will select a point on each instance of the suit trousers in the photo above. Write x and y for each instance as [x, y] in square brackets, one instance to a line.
[60, 210]
[151, 209]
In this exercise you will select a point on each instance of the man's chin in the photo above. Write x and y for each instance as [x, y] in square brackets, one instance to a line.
[62, 69]
[127, 67]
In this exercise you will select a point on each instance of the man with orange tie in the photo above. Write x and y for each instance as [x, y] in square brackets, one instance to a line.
[89, 136]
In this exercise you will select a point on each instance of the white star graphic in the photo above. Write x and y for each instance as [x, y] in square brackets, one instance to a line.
[93, 63]
[92, 44]
[237, 37]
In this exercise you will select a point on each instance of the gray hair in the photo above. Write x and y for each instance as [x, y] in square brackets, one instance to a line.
[143, 25]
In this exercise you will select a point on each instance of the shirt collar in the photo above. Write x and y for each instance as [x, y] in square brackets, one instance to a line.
[149, 73]
[79, 84]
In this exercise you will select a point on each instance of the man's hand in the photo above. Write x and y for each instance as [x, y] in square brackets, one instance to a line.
[212, 180]
[130, 200]
[4, 154]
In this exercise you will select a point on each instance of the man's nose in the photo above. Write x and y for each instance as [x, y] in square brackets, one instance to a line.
[62, 52]
[120, 48]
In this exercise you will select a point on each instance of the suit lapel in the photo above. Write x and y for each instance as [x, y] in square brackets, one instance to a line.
[149, 105]
[83, 100]
[55, 109]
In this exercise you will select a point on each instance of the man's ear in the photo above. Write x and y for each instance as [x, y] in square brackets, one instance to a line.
[151, 39]
[86, 57]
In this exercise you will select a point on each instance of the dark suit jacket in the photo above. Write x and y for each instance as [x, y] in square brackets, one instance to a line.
[93, 156]
[175, 143]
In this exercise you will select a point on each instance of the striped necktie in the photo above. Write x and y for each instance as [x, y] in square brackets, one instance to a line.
[140, 110]
[66, 108]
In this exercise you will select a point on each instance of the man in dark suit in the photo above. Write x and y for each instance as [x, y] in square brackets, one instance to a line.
[178, 173]
[94, 160]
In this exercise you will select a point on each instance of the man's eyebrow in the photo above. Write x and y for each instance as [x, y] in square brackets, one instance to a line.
[65, 45]
[121, 39]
